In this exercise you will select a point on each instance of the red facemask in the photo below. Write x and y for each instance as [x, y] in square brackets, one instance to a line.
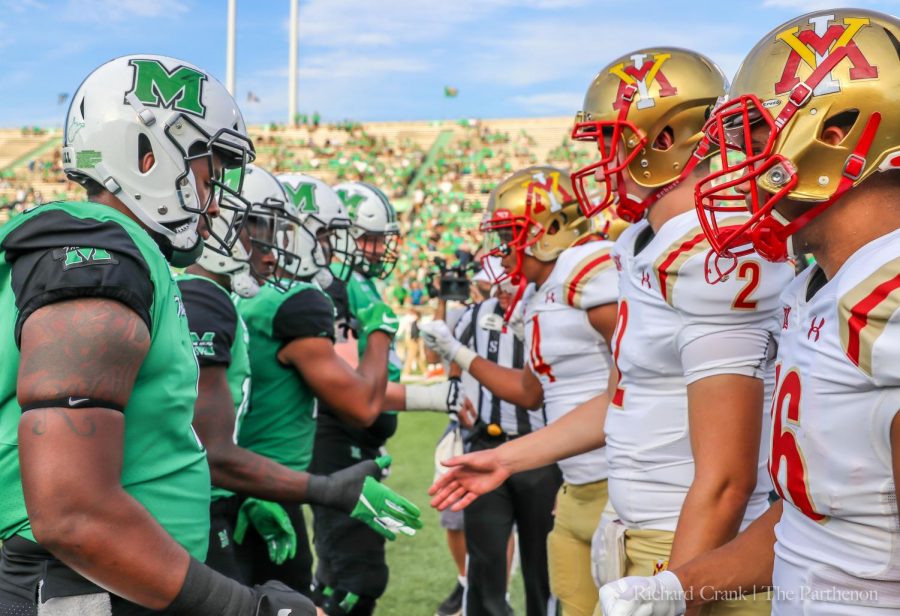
[514, 233]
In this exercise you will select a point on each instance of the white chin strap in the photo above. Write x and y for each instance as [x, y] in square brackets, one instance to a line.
[789, 242]
[324, 277]
[244, 284]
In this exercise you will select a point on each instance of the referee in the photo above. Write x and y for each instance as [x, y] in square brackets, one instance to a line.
[525, 499]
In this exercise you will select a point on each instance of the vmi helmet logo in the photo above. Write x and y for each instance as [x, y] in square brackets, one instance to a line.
[180, 89]
[79, 256]
[814, 46]
[646, 69]
[351, 201]
[303, 196]
[543, 190]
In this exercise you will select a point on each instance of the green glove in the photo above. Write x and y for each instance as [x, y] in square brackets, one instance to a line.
[378, 317]
[385, 511]
[272, 523]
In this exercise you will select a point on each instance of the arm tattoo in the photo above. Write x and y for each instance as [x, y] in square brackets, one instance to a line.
[39, 425]
[83, 347]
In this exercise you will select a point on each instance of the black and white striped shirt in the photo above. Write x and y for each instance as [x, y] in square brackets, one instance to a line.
[477, 329]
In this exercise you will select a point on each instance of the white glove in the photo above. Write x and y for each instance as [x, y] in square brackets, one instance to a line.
[440, 397]
[660, 595]
[438, 337]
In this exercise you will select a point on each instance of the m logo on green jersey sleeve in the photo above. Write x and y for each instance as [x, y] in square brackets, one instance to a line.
[81, 256]
[203, 345]
[303, 196]
[180, 89]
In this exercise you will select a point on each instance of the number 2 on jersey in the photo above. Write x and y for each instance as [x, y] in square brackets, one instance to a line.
[785, 446]
[749, 271]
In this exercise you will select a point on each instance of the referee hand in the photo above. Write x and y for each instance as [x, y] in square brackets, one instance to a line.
[467, 414]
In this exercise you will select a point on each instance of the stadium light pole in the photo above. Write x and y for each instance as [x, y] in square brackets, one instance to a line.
[292, 66]
[229, 49]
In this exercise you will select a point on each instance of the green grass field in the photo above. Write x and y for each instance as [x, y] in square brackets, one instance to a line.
[422, 572]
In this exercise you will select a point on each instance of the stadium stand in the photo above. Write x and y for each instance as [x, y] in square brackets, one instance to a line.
[439, 174]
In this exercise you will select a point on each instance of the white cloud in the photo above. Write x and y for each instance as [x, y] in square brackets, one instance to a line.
[542, 51]
[550, 103]
[345, 66]
[342, 23]
[21, 6]
[119, 10]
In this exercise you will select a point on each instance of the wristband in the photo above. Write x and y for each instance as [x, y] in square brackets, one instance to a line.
[464, 357]
[320, 490]
[426, 398]
[340, 490]
[209, 593]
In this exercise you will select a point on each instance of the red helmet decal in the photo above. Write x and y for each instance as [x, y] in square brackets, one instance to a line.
[815, 45]
[644, 71]
[542, 187]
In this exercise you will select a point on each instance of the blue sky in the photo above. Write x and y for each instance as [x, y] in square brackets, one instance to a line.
[375, 59]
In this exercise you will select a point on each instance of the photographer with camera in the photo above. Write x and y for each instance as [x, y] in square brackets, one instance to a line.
[451, 284]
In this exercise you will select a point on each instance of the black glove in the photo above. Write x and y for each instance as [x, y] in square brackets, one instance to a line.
[209, 593]
[276, 597]
[341, 490]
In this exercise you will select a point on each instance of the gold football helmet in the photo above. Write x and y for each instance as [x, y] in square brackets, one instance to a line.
[646, 111]
[532, 212]
[828, 68]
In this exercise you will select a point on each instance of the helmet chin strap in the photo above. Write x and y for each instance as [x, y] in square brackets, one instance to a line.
[520, 283]
[324, 277]
[631, 210]
[789, 241]
[178, 257]
[243, 283]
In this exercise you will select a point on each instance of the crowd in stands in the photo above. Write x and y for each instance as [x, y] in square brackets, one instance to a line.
[439, 185]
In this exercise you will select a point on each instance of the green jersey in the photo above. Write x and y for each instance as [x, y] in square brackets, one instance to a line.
[362, 293]
[164, 465]
[220, 338]
[280, 423]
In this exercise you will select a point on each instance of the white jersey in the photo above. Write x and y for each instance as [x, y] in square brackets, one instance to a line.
[837, 393]
[565, 352]
[674, 328]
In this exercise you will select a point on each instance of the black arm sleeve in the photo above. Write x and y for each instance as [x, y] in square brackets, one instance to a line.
[305, 314]
[41, 278]
[212, 320]
[57, 257]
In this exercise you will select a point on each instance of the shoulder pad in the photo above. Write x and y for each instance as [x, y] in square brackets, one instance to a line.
[589, 277]
[870, 323]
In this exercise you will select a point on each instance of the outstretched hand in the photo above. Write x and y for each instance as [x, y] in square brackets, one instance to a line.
[470, 476]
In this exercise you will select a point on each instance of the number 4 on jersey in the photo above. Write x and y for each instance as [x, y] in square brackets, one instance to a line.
[538, 365]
